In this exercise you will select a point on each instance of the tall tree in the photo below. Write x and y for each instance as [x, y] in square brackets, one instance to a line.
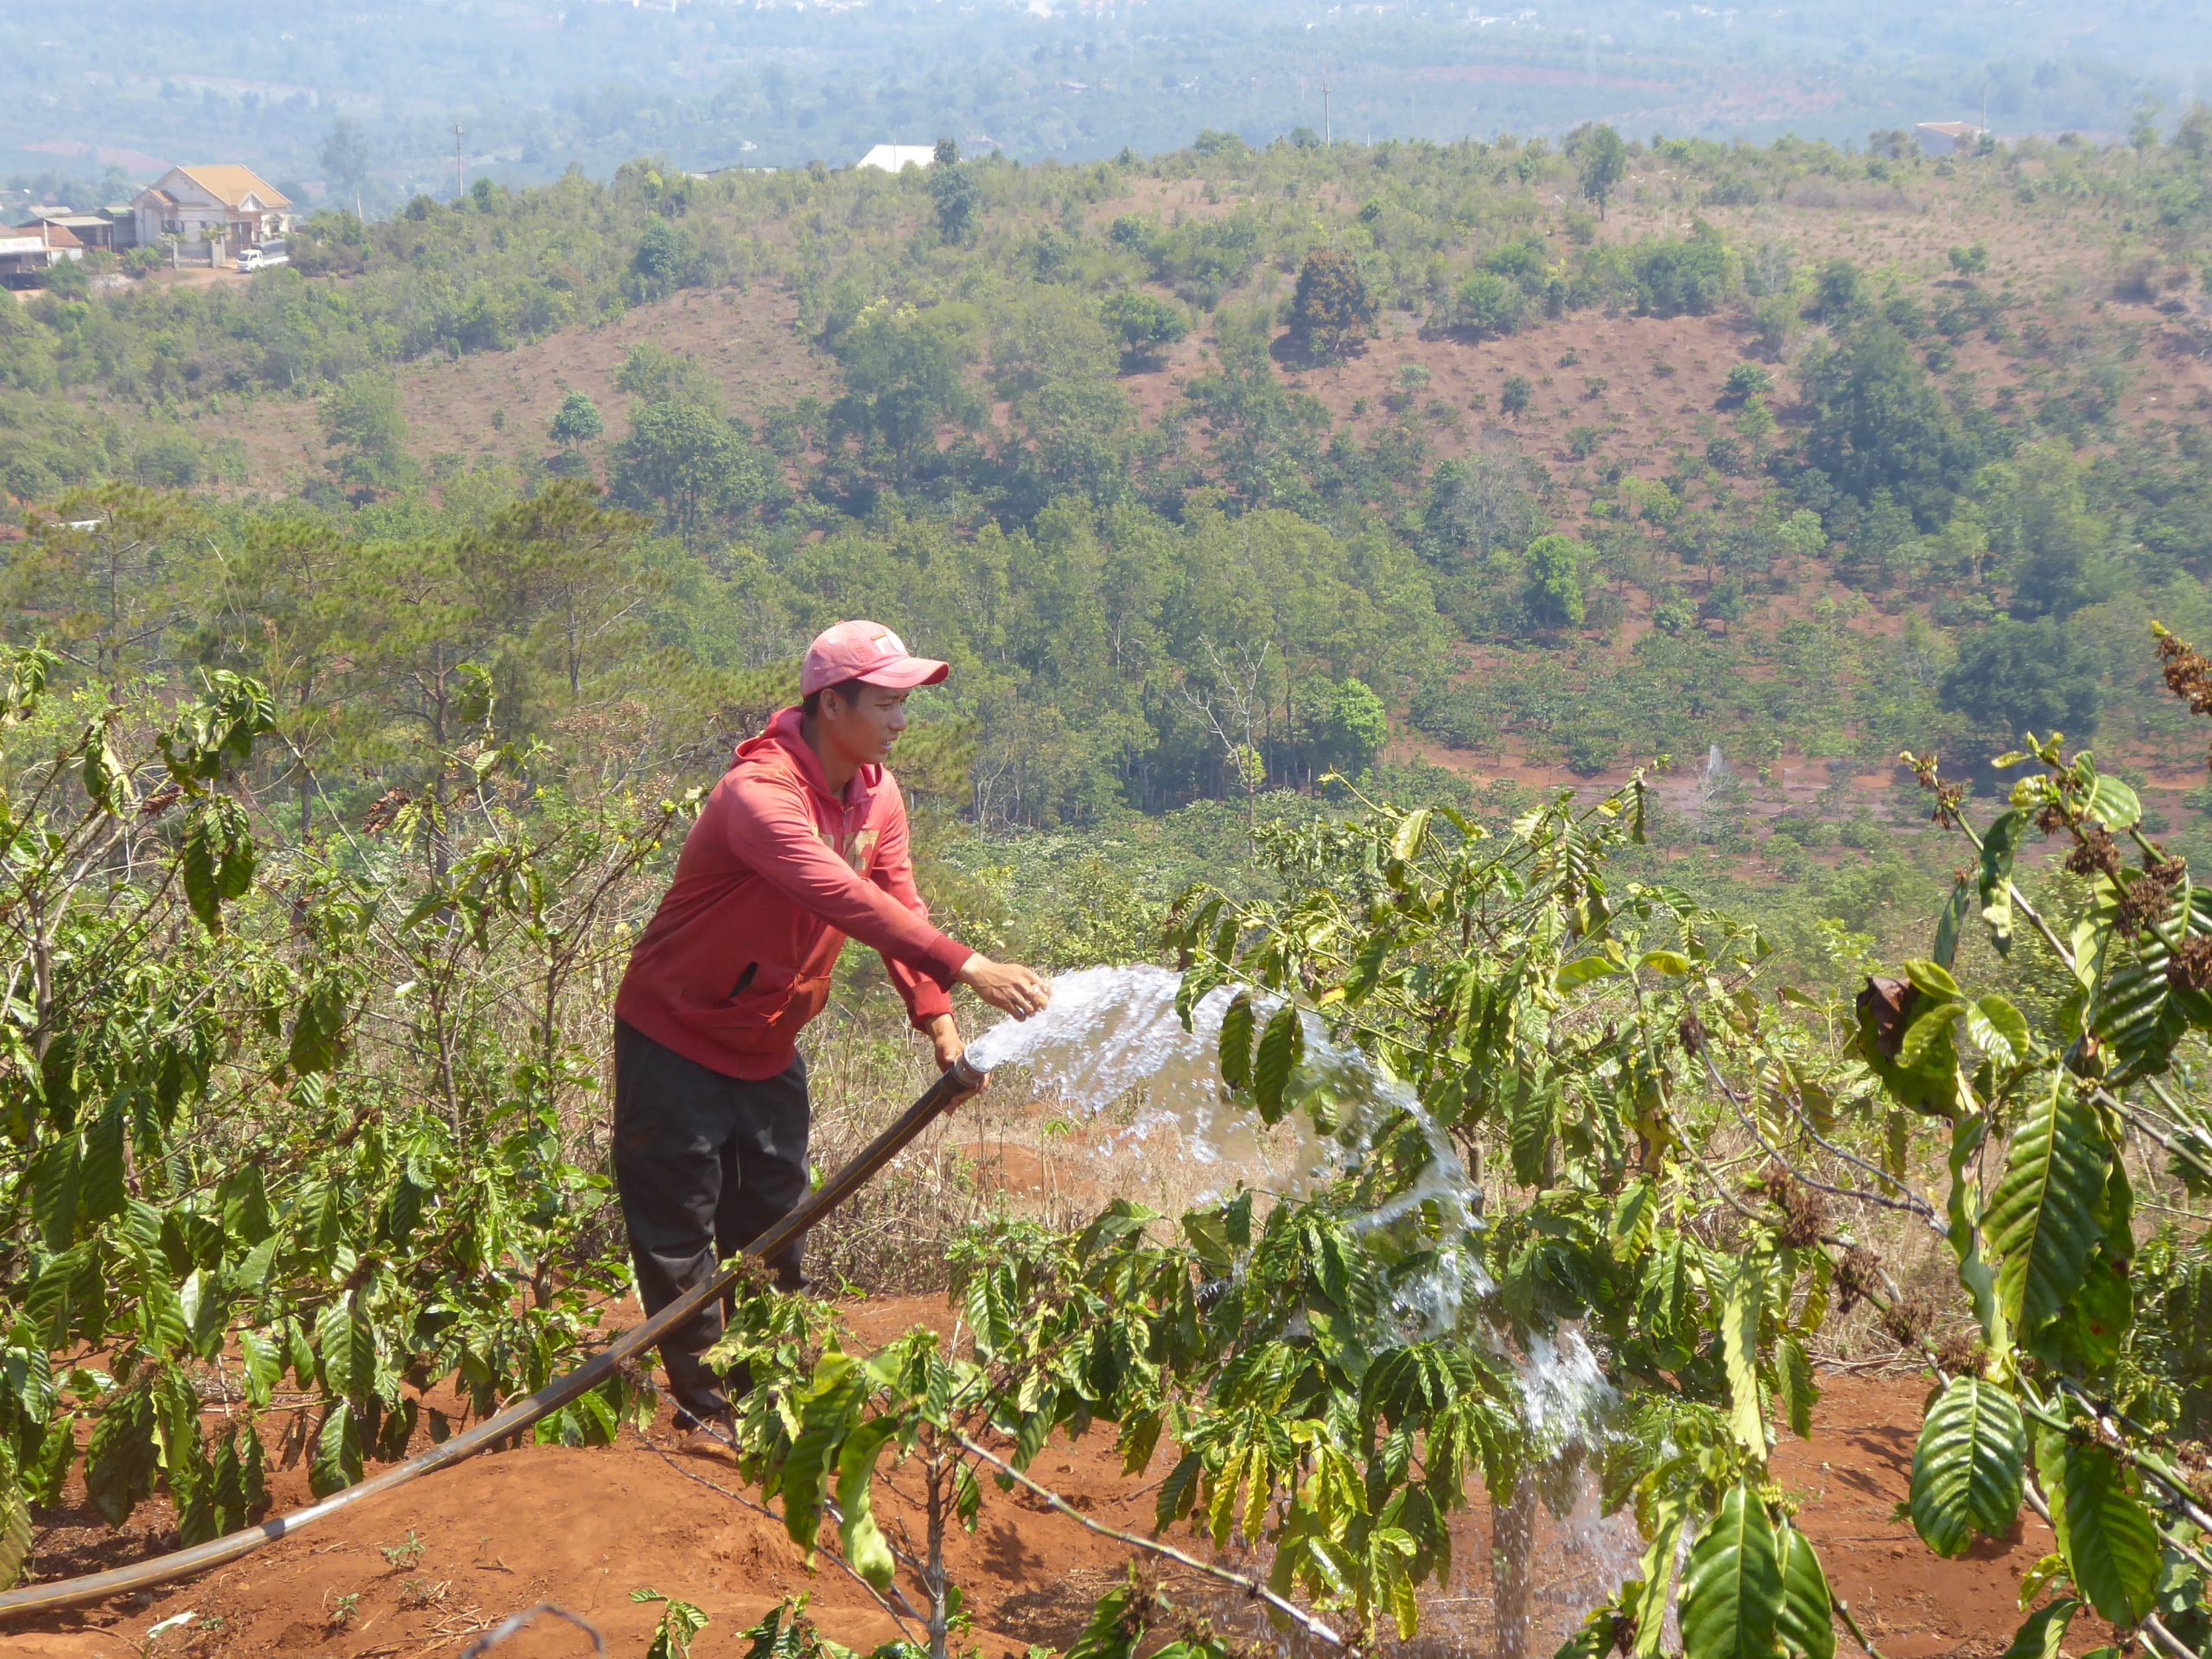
[685, 461]
[344, 157]
[279, 606]
[95, 582]
[1332, 310]
[366, 434]
[1602, 160]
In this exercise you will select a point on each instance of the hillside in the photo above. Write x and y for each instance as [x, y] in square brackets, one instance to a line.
[1434, 636]
[1791, 457]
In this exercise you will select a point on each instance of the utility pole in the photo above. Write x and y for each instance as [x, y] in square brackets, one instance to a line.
[459, 168]
[1327, 136]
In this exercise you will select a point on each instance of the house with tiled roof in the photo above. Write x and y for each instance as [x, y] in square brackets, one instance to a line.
[27, 252]
[194, 203]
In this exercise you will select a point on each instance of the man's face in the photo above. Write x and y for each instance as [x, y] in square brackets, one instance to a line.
[866, 727]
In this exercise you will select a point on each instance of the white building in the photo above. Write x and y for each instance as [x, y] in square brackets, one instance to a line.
[187, 202]
[1949, 137]
[28, 251]
[896, 158]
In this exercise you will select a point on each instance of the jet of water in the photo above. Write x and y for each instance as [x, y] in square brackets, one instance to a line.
[1111, 1038]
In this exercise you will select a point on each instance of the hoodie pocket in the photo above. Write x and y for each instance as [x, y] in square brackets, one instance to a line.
[755, 997]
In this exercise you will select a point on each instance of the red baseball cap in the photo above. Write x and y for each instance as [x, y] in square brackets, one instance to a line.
[868, 652]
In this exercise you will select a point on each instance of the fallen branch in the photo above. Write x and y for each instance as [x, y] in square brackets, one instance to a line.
[1251, 1586]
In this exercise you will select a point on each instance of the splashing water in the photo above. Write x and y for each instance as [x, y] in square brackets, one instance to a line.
[1111, 1038]
[1111, 1034]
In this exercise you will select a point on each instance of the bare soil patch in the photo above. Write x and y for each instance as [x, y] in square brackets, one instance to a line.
[416, 1573]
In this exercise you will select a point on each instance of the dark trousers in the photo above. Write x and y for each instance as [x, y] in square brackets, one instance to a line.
[704, 1164]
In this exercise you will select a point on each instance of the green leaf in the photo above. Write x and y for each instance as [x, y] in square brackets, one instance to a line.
[1741, 1305]
[2038, 1638]
[1933, 981]
[203, 853]
[1177, 1491]
[264, 1364]
[1237, 1041]
[1412, 832]
[825, 1409]
[680, 1623]
[15, 1526]
[1281, 1046]
[120, 1459]
[1731, 1587]
[100, 1192]
[1927, 1046]
[1994, 880]
[1805, 1623]
[1648, 1607]
[319, 1030]
[1583, 970]
[1968, 1467]
[1952, 922]
[862, 1539]
[1534, 1115]
[56, 1179]
[2042, 1217]
[1999, 1030]
[348, 1348]
[2115, 805]
[1800, 1391]
[1673, 963]
[336, 1461]
[1594, 1638]
[2107, 1537]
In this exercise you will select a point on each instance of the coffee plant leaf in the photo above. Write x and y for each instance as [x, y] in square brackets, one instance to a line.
[1281, 1046]
[2107, 1537]
[1731, 1585]
[862, 1540]
[1967, 1467]
[2043, 1218]
[1806, 1618]
[2039, 1636]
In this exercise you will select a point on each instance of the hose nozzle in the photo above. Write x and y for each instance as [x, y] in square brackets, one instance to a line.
[970, 1075]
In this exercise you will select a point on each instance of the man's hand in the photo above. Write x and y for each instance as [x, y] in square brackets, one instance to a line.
[946, 1036]
[1007, 987]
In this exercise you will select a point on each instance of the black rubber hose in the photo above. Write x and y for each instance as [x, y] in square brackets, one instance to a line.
[962, 1080]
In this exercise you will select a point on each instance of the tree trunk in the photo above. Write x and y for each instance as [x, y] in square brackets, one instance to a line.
[940, 1498]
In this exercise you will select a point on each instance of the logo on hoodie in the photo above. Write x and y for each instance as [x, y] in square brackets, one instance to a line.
[857, 853]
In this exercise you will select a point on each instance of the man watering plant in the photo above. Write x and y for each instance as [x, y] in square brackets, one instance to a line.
[802, 844]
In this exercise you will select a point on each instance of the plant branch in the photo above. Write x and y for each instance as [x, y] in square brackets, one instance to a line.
[1251, 1586]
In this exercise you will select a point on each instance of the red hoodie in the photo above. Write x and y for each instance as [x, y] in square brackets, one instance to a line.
[774, 875]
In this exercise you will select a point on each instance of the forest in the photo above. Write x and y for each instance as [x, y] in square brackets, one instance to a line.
[1650, 695]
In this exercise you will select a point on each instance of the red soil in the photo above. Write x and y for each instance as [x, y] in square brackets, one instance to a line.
[583, 1528]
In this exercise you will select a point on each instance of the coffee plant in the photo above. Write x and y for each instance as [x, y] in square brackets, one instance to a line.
[1673, 1158]
[324, 1135]
[285, 1127]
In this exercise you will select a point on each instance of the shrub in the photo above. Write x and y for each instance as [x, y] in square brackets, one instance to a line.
[1747, 380]
[1553, 586]
[1488, 304]
[1515, 395]
[2014, 677]
[576, 421]
[1143, 323]
[1332, 310]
